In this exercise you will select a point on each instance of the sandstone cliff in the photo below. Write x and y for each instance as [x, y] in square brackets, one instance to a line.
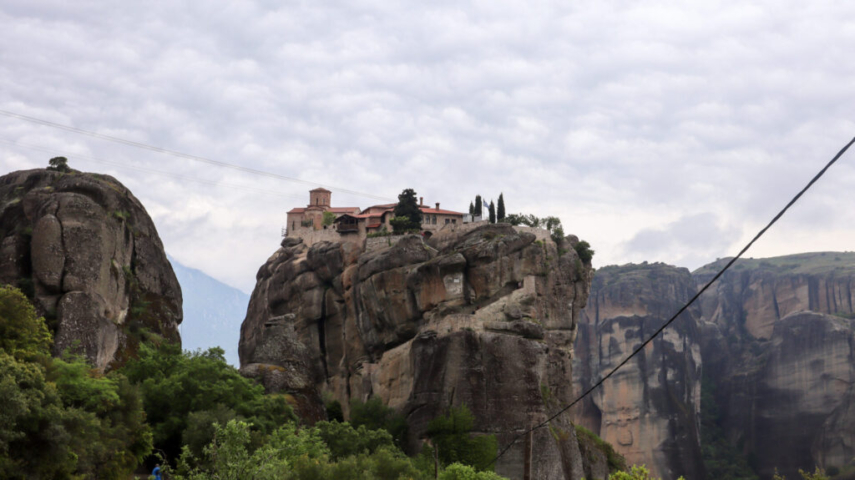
[649, 410]
[485, 318]
[779, 344]
[87, 253]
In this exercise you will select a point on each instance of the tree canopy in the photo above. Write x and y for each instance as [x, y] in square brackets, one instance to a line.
[408, 215]
[59, 164]
[500, 208]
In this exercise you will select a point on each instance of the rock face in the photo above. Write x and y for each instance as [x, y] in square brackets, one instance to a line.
[649, 410]
[485, 318]
[87, 253]
[779, 343]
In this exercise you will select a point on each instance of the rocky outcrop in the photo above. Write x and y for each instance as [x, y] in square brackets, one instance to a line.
[485, 318]
[779, 344]
[649, 410]
[83, 248]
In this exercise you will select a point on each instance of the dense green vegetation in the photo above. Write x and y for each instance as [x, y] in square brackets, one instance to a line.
[197, 416]
[184, 392]
[60, 418]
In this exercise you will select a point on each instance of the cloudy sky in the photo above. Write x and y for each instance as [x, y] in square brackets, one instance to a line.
[659, 131]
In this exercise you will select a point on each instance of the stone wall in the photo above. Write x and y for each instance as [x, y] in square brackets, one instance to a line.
[376, 243]
[311, 237]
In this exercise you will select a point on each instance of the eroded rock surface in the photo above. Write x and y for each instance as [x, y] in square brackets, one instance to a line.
[87, 253]
[649, 410]
[779, 343]
[485, 318]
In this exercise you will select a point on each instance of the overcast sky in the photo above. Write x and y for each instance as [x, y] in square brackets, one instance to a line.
[659, 131]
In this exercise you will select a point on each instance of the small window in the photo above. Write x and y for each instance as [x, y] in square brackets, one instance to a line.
[434, 219]
[294, 225]
[447, 221]
[453, 220]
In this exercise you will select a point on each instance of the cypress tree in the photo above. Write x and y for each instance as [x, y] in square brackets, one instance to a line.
[492, 212]
[479, 209]
[500, 209]
[471, 208]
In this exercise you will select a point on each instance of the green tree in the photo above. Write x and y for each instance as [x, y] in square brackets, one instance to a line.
[344, 440]
[458, 471]
[329, 218]
[374, 415]
[500, 208]
[471, 208]
[22, 334]
[491, 210]
[59, 164]
[175, 384]
[37, 433]
[583, 248]
[408, 215]
[479, 207]
[450, 434]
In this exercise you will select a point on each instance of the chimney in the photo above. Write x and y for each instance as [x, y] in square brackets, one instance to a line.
[421, 201]
[437, 205]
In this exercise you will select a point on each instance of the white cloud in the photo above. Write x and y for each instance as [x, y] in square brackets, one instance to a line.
[625, 119]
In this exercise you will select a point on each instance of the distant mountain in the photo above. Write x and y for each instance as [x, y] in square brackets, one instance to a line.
[213, 312]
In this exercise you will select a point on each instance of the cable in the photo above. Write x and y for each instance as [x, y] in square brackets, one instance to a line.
[157, 172]
[185, 155]
[686, 306]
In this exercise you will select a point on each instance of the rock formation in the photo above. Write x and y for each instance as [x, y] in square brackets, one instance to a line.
[87, 253]
[779, 344]
[485, 318]
[649, 410]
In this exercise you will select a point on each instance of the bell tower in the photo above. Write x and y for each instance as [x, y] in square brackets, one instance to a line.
[320, 197]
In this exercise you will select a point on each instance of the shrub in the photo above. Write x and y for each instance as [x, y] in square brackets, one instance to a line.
[450, 433]
[583, 249]
[374, 415]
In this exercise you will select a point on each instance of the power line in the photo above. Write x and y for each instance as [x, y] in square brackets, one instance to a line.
[187, 156]
[685, 307]
[156, 172]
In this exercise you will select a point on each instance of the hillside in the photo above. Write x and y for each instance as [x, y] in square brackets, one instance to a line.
[213, 312]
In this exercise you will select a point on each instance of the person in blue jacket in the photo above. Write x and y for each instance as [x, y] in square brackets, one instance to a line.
[156, 472]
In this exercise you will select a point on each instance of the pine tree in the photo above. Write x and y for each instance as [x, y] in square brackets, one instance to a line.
[500, 212]
[471, 208]
[479, 209]
[492, 212]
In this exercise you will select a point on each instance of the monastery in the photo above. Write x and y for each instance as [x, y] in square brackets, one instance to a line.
[319, 220]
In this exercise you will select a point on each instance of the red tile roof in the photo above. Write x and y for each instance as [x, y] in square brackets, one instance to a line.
[320, 189]
[434, 211]
[373, 225]
[333, 210]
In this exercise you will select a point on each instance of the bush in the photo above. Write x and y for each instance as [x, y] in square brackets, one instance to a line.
[344, 440]
[374, 416]
[22, 334]
[583, 249]
[450, 434]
